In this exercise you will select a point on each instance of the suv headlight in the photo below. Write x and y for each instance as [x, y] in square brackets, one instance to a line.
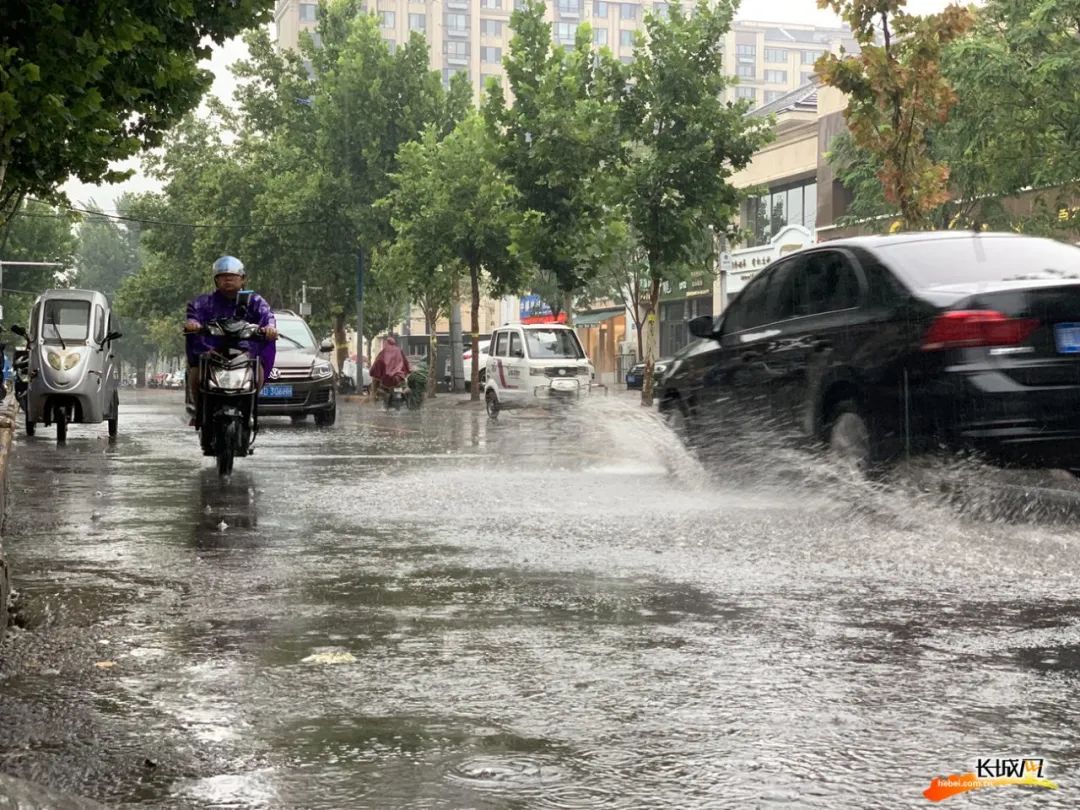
[321, 369]
[659, 369]
[231, 379]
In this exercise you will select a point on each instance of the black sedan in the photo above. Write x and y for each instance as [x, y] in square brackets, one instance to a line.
[635, 377]
[878, 346]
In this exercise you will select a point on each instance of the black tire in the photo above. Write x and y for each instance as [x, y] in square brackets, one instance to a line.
[60, 416]
[114, 420]
[227, 440]
[326, 418]
[30, 426]
[491, 403]
[297, 418]
[850, 438]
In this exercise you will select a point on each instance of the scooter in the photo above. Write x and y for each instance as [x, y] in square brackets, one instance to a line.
[228, 387]
[398, 395]
[20, 368]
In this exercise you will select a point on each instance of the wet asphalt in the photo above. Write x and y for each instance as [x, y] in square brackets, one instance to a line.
[554, 610]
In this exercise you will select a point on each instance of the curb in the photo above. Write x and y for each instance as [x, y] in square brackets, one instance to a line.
[8, 412]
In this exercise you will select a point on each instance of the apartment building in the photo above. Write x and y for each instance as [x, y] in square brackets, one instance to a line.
[472, 36]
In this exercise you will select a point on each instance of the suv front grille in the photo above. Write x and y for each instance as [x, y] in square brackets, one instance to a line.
[284, 374]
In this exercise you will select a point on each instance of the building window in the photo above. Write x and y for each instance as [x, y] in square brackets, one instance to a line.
[490, 3]
[491, 28]
[776, 76]
[449, 72]
[626, 60]
[599, 36]
[564, 33]
[745, 70]
[570, 7]
[308, 12]
[456, 50]
[773, 95]
[519, 5]
[809, 57]
[457, 24]
[763, 216]
[391, 45]
[628, 12]
[600, 9]
[387, 19]
[746, 52]
[626, 39]
[660, 10]
[776, 56]
[417, 22]
[746, 92]
[492, 56]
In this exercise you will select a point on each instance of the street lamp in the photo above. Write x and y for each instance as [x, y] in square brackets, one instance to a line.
[305, 307]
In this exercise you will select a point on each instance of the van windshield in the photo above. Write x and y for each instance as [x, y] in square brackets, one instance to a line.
[65, 320]
[559, 343]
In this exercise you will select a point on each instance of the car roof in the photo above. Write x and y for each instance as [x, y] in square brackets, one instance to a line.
[537, 326]
[908, 237]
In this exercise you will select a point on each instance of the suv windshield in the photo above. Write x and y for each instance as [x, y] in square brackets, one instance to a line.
[938, 262]
[65, 320]
[560, 343]
[296, 335]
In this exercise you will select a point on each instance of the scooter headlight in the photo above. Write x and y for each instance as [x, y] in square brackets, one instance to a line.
[63, 361]
[231, 379]
[55, 360]
[71, 360]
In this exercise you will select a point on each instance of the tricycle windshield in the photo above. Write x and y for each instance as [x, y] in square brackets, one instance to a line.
[63, 321]
[556, 343]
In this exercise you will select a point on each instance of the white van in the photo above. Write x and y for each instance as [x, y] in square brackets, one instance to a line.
[535, 364]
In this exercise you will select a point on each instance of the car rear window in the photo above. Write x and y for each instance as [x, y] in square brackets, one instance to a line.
[940, 262]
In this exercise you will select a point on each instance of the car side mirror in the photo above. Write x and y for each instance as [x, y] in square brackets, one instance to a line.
[326, 346]
[18, 330]
[701, 326]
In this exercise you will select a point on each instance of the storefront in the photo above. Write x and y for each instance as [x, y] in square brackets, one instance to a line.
[601, 332]
[679, 304]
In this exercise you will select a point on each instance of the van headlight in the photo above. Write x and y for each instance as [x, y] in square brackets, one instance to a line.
[63, 361]
[231, 378]
[321, 369]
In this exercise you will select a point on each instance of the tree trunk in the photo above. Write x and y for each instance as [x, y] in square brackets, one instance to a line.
[568, 307]
[650, 324]
[433, 355]
[474, 278]
[341, 348]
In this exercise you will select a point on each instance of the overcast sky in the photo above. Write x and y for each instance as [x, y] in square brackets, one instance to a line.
[792, 11]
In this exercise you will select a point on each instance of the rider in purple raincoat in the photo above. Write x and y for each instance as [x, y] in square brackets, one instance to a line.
[229, 277]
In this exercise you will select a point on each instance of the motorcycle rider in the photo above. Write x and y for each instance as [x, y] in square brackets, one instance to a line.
[391, 366]
[229, 277]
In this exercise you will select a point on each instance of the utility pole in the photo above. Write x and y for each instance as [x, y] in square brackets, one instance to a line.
[359, 315]
[305, 307]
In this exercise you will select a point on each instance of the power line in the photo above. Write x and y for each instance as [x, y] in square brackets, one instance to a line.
[141, 221]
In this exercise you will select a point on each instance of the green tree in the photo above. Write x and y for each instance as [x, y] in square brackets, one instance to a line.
[36, 233]
[452, 194]
[686, 143]
[559, 141]
[108, 250]
[896, 93]
[83, 84]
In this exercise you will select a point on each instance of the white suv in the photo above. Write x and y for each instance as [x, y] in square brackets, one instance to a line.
[535, 364]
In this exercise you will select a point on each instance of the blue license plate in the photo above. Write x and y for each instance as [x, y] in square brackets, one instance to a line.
[276, 392]
[1067, 337]
[632, 379]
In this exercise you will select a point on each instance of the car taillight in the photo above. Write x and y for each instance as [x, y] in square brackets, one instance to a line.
[969, 328]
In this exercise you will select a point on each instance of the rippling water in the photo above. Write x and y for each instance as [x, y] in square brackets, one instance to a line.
[557, 610]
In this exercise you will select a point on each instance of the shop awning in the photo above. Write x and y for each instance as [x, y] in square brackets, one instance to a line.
[598, 316]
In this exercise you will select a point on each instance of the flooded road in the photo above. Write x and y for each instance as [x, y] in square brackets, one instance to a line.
[429, 610]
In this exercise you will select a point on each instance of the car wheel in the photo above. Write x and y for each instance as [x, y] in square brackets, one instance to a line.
[491, 402]
[850, 439]
[326, 418]
[677, 419]
[297, 418]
